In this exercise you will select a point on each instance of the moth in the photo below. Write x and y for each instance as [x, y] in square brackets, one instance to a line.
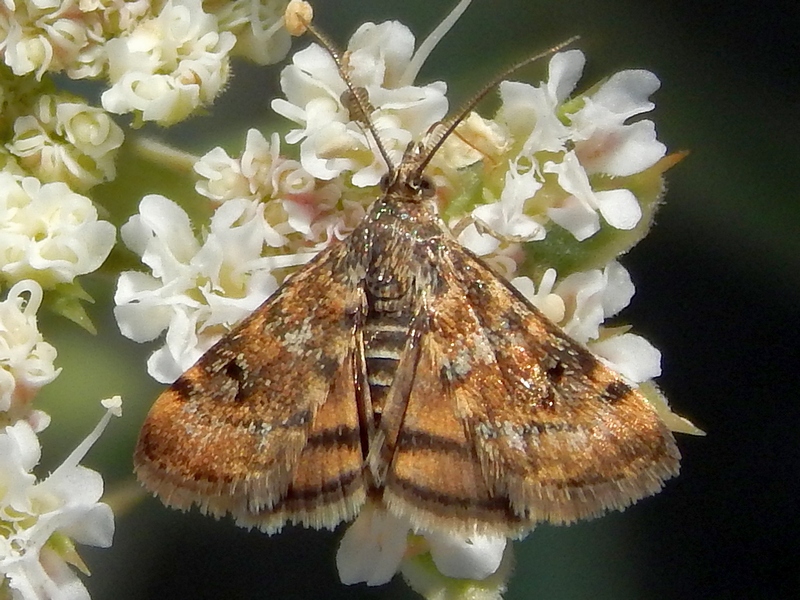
[399, 368]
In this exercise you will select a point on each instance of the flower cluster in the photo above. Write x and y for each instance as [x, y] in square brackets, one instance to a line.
[49, 233]
[157, 61]
[166, 66]
[160, 61]
[41, 520]
[550, 190]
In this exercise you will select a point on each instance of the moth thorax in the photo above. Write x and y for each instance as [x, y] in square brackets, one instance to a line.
[387, 286]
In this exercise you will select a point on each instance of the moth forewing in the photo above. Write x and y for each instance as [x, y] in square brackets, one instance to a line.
[563, 436]
[507, 421]
[234, 432]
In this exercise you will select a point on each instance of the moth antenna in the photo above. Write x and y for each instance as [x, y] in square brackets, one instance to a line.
[454, 122]
[357, 95]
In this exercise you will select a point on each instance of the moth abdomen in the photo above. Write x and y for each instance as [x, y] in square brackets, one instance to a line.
[385, 338]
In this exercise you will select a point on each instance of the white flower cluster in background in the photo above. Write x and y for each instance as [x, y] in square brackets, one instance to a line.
[48, 232]
[167, 66]
[158, 61]
[63, 139]
[162, 59]
[41, 521]
[161, 62]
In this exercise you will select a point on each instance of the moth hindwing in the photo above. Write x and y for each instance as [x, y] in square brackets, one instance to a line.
[398, 366]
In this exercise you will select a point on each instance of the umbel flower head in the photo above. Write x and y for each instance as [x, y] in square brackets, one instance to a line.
[549, 190]
[552, 167]
[42, 520]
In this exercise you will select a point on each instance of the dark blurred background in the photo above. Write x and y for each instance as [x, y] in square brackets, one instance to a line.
[718, 285]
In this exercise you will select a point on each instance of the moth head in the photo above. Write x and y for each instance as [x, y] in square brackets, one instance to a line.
[408, 179]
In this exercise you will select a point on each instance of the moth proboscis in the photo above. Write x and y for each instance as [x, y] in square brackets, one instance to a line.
[397, 367]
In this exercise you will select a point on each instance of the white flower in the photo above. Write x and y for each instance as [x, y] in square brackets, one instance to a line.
[476, 139]
[26, 51]
[258, 27]
[545, 299]
[376, 543]
[92, 131]
[197, 290]
[168, 66]
[26, 360]
[333, 140]
[372, 547]
[482, 244]
[531, 112]
[593, 296]
[476, 557]
[506, 218]
[604, 142]
[48, 232]
[41, 521]
[575, 139]
[66, 35]
[221, 177]
[631, 355]
[260, 174]
[67, 141]
[578, 212]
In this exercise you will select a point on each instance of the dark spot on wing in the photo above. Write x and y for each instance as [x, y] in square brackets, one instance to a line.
[616, 391]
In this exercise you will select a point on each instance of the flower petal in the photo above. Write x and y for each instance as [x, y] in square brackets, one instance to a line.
[476, 557]
[372, 548]
[633, 356]
[619, 208]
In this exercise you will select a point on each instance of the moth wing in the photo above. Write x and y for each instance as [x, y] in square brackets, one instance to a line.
[510, 422]
[265, 425]
[424, 455]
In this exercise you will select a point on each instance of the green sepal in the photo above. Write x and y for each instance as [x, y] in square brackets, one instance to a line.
[66, 300]
[671, 419]
[65, 548]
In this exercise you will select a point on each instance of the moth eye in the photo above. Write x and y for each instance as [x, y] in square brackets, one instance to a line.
[426, 187]
[385, 181]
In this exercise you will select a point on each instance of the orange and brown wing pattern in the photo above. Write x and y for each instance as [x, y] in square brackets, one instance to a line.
[510, 422]
[434, 476]
[240, 433]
